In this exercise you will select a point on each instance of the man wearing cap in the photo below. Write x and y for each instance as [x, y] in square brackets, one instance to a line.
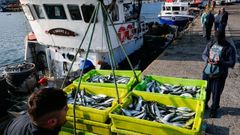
[88, 66]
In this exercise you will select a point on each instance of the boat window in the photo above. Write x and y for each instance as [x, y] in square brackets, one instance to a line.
[87, 11]
[164, 8]
[175, 8]
[184, 8]
[55, 11]
[131, 11]
[28, 12]
[39, 11]
[74, 12]
[115, 13]
[168, 8]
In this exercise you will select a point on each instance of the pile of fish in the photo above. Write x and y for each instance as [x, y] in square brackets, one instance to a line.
[186, 91]
[108, 79]
[100, 101]
[19, 67]
[153, 111]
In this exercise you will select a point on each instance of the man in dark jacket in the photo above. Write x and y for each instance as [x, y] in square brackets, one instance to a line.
[223, 20]
[47, 110]
[208, 24]
[227, 60]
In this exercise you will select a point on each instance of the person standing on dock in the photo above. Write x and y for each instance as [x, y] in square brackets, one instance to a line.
[209, 23]
[217, 18]
[203, 20]
[219, 57]
[223, 20]
[47, 109]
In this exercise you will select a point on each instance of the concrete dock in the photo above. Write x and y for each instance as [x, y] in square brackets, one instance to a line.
[183, 59]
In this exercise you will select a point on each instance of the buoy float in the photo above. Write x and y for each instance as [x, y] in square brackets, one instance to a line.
[130, 32]
[121, 34]
[31, 36]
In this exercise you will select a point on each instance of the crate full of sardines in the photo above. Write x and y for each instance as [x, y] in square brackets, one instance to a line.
[158, 114]
[92, 103]
[104, 78]
[186, 88]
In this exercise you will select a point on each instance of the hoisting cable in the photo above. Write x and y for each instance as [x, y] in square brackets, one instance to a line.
[75, 56]
[111, 54]
[95, 14]
[121, 45]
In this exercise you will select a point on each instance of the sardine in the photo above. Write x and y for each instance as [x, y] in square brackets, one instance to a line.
[126, 112]
[139, 105]
[168, 117]
[186, 95]
[185, 109]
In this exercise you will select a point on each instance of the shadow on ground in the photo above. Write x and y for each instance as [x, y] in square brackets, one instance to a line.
[212, 129]
[229, 111]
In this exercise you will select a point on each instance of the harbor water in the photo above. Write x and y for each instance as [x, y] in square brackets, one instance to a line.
[13, 29]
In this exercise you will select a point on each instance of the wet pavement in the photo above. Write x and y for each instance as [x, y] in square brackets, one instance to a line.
[183, 59]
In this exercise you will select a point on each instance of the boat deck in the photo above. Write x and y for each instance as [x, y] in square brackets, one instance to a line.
[183, 59]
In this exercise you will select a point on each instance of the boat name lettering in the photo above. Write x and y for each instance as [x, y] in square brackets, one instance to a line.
[61, 32]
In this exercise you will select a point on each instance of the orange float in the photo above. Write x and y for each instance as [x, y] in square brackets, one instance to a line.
[130, 32]
[121, 34]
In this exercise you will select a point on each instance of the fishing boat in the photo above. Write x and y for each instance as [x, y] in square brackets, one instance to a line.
[69, 34]
[196, 3]
[175, 13]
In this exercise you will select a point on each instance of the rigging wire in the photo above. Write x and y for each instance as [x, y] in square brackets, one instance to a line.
[94, 15]
[79, 48]
[121, 45]
[81, 73]
[109, 43]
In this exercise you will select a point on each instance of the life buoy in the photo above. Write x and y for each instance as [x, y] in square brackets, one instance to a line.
[122, 34]
[31, 36]
[130, 32]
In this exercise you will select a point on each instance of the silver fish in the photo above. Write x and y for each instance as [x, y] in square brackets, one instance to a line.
[126, 112]
[168, 116]
[139, 105]
[185, 109]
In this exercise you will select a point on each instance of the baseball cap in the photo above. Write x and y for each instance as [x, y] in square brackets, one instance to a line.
[87, 64]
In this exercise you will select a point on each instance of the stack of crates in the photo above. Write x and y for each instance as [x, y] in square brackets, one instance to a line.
[90, 120]
[129, 125]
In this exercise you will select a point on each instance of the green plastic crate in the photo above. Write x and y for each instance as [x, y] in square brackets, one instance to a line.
[92, 113]
[124, 132]
[174, 81]
[125, 73]
[89, 126]
[70, 131]
[150, 127]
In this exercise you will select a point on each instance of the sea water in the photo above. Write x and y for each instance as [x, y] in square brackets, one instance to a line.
[13, 29]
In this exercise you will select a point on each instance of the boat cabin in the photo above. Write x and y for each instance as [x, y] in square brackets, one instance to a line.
[175, 8]
[60, 26]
